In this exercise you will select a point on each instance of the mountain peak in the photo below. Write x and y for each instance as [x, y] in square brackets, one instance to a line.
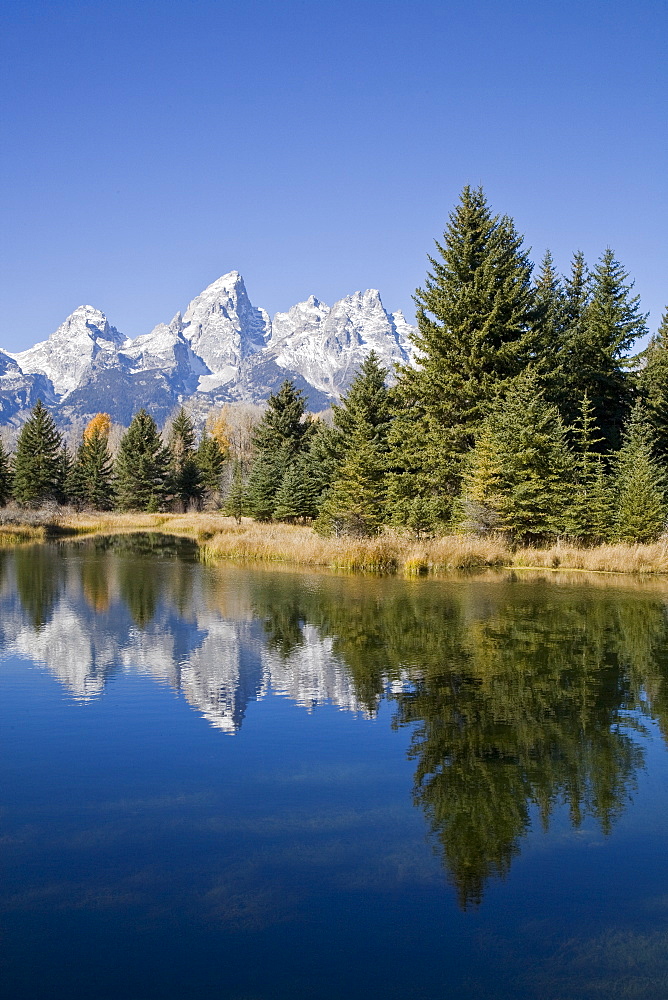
[223, 327]
[222, 348]
[67, 356]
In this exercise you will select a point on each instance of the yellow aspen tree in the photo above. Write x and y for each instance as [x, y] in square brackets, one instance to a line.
[101, 423]
[218, 427]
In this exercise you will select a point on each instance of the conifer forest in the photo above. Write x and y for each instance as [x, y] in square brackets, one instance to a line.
[525, 412]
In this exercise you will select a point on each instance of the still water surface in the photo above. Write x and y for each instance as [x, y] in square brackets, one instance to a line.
[261, 785]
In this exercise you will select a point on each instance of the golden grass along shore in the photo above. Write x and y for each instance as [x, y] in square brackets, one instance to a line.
[221, 538]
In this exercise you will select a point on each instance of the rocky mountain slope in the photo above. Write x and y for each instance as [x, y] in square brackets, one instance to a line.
[221, 349]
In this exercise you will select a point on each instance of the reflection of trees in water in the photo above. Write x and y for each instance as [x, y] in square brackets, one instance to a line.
[148, 565]
[280, 609]
[530, 715]
[39, 576]
[140, 560]
[95, 571]
[520, 699]
[139, 585]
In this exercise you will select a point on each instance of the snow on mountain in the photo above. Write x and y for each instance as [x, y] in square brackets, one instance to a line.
[327, 346]
[222, 348]
[165, 348]
[18, 391]
[69, 355]
[223, 328]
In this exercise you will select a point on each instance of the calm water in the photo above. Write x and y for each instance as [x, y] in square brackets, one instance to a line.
[262, 785]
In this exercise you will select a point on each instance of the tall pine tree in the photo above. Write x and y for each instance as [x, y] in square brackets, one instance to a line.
[566, 387]
[314, 471]
[5, 476]
[355, 500]
[235, 501]
[551, 322]
[653, 386]
[641, 510]
[90, 483]
[279, 438]
[142, 466]
[521, 469]
[589, 512]
[476, 332]
[37, 473]
[210, 460]
[598, 346]
[185, 480]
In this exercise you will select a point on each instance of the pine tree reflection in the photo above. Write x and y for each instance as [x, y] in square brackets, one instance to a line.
[521, 699]
[39, 577]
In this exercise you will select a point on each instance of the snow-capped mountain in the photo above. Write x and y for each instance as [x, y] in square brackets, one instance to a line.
[83, 342]
[19, 391]
[221, 349]
[327, 345]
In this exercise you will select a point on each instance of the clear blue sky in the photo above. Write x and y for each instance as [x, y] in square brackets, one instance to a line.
[148, 147]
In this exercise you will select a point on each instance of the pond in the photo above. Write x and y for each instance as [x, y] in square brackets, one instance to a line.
[255, 784]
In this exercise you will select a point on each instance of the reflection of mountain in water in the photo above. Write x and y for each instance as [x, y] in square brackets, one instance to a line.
[519, 699]
[115, 606]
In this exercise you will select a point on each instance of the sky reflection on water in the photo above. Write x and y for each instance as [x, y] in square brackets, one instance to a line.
[525, 721]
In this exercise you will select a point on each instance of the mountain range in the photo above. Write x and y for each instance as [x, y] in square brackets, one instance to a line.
[221, 349]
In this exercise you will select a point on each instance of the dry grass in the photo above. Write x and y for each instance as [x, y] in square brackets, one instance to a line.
[620, 558]
[395, 553]
[389, 553]
[221, 538]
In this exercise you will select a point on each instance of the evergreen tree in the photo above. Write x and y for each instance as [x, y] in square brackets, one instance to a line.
[306, 480]
[90, 480]
[318, 464]
[5, 476]
[589, 514]
[479, 508]
[142, 466]
[37, 462]
[577, 289]
[279, 438]
[235, 502]
[355, 502]
[184, 472]
[210, 461]
[521, 468]
[365, 407]
[282, 426]
[641, 509]
[476, 331]
[294, 499]
[569, 390]
[598, 346]
[653, 386]
[601, 508]
[551, 324]
[263, 483]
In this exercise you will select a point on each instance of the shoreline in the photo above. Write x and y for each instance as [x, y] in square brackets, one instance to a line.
[221, 539]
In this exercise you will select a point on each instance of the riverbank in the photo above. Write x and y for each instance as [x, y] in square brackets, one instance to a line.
[221, 538]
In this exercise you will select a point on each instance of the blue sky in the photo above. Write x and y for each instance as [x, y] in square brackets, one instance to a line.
[149, 147]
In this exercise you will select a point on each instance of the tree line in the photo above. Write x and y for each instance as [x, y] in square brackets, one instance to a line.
[522, 412]
[147, 474]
